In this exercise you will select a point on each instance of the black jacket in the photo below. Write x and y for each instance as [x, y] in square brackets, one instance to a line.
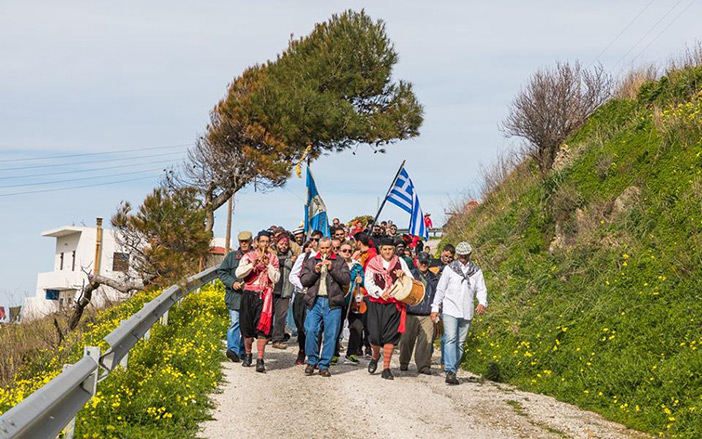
[226, 273]
[430, 281]
[338, 280]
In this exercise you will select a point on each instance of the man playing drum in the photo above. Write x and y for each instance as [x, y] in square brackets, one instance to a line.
[386, 316]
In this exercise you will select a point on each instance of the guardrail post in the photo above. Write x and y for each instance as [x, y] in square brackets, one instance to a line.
[69, 431]
[164, 319]
[90, 384]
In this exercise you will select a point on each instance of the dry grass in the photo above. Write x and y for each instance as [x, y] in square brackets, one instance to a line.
[629, 85]
[691, 57]
[27, 344]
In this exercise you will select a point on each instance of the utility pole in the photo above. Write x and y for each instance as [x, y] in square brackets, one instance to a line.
[98, 247]
[230, 209]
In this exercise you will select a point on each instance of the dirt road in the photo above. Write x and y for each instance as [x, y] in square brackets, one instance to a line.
[283, 403]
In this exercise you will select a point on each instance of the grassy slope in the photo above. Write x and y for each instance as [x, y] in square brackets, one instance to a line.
[612, 322]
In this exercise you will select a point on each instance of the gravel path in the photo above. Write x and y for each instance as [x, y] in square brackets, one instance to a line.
[283, 403]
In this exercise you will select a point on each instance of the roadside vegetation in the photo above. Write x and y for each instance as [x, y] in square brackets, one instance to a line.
[594, 268]
[164, 392]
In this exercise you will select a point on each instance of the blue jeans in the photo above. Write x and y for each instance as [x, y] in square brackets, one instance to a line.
[320, 313]
[235, 341]
[455, 333]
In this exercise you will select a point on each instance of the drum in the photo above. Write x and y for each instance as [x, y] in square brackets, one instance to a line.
[408, 291]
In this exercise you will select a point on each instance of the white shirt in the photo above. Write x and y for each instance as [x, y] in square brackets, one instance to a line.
[246, 266]
[296, 271]
[457, 296]
[369, 277]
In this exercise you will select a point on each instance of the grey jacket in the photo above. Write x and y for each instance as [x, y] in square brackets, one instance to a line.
[283, 287]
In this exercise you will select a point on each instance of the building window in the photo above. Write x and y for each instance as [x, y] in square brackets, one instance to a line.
[73, 264]
[52, 294]
[120, 262]
[61, 263]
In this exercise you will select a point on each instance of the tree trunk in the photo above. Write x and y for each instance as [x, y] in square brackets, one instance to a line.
[94, 282]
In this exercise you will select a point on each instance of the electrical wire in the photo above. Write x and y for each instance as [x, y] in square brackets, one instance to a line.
[81, 178]
[131, 165]
[662, 32]
[117, 151]
[78, 187]
[91, 162]
[621, 33]
[646, 34]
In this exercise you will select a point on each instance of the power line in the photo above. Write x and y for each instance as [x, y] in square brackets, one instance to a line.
[663, 31]
[77, 187]
[117, 151]
[81, 178]
[131, 165]
[622, 32]
[91, 162]
[646, 34]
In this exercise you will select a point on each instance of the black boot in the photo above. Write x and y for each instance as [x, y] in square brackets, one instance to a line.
[248, 359]
[387, 375]
[260, 367]
[372, 366]
[232, 356]
[451, 379]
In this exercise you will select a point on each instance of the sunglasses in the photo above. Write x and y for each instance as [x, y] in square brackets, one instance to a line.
[345, 250]
[336, 249]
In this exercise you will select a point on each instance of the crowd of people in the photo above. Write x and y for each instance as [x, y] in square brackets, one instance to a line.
[318, 285]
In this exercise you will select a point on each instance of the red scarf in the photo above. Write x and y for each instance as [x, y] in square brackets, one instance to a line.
[265, 288]
[376, 265]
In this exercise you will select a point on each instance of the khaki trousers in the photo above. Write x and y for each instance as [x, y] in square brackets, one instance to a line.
[419, 331]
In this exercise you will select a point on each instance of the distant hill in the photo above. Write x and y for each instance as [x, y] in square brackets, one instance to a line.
[595, 272]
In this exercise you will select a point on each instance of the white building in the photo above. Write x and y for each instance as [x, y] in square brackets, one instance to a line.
[75, 251]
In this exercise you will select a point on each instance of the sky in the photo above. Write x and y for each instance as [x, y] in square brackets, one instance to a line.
[87, 77]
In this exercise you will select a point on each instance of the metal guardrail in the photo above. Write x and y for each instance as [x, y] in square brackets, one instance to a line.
[435, 232]
[53, 407]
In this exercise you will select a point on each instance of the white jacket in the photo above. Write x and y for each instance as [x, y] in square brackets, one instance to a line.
[458, 296]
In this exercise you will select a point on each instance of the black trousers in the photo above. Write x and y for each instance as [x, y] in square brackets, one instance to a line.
[299, 314]
[357, 323]
[341, 328]
[383, 323]
[250, 314]
[280, 314]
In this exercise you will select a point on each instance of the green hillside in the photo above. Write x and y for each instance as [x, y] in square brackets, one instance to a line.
[595, 272]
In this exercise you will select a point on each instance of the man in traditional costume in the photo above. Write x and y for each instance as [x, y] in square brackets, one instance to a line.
[260, 270]
[386, 316]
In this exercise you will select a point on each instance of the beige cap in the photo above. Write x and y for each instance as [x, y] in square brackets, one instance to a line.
[245, 236]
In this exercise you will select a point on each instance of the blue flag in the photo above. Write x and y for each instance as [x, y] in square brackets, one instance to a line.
[315, 209]
[403, 195]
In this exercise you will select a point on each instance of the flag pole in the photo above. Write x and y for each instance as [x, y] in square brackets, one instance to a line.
[375, 220]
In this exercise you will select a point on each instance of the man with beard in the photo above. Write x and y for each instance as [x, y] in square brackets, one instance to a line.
[460, 284]
[282, 292]
[260, 270]
[232, 297]
[386, 316]
[419, 327]
[325, 276]
[299, 308]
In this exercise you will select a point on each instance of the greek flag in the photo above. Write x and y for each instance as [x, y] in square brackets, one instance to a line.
[315, 209]
[404, 195]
